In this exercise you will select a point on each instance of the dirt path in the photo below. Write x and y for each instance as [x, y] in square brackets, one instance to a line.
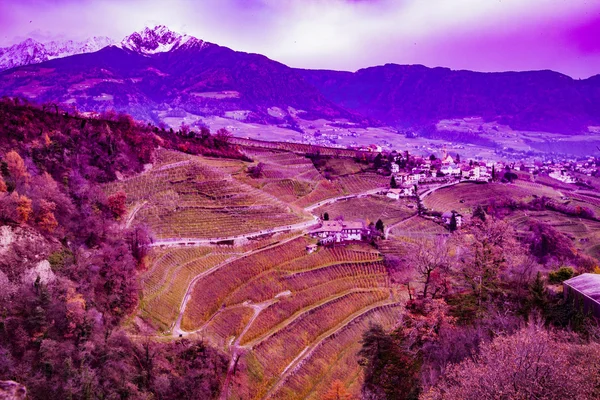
[390, 227]
[133, 212]
[236, 349]
[345, 197]
[176, 328]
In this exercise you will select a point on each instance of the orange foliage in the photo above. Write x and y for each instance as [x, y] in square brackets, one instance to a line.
[3, 187]
[337, 391]
[16, 166]
[46, 219]
[24, 209]
[116, 204]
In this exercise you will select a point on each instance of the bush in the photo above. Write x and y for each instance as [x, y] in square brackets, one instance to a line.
[561, 274]
[60, 259]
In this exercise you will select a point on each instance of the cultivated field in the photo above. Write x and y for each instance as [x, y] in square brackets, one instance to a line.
[295, 319]
[196, 197]
[416, 228]
[294, 179]
[584, 233]
[465, 196]
[369, 208]
[297, 306]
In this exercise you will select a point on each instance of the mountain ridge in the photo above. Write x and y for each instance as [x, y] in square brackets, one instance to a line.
[157, 73]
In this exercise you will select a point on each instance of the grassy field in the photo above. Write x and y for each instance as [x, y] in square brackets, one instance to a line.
[465, 196]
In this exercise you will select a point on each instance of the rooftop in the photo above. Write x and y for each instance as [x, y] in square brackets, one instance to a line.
[338, 226]
[587, 284]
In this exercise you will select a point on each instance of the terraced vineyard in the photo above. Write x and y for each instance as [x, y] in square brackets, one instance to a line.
[584, 233]
[172, 270]
[197, 198]
[294, 179]
[302, 303]
[293, 319]
[369, 208]
[464, 196]
[417, 228]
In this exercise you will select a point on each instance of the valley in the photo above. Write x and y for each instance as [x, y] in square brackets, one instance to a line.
[232, 263]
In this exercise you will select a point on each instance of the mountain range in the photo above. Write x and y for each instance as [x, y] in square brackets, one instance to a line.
[158, 73]
[31, 51]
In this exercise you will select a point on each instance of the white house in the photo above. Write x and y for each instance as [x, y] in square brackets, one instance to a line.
[395, 168]
[339, 231]
[400, 192]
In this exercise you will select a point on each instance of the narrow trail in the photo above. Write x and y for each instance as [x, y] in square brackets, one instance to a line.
[340, 198]
[390, 227]
[236, 349]
[176, 329]
[432, 190]
[133, 212]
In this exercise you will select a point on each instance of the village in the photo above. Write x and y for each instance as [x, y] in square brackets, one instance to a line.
[415, 177]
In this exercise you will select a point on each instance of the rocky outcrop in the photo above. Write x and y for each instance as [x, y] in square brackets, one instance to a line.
[11, 390]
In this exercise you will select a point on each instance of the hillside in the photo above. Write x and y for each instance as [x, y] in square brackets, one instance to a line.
[139, 262]
[405, 95]
[196, 77]
[160, 76]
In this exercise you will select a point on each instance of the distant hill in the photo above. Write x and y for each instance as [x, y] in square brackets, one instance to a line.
[156, 74]
[413, 94]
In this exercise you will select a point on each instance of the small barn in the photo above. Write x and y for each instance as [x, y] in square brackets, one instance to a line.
[585, 288]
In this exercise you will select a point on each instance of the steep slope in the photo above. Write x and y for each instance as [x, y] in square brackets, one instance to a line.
[414, 94]
[158, 70]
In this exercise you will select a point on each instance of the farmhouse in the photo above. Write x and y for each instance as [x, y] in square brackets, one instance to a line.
[400, 192]
[585, 289]
[339, 231]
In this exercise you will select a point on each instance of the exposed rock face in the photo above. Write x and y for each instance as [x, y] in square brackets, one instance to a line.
[11, 390]
[43, 270]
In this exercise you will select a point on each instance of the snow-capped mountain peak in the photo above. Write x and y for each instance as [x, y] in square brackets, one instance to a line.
[31, 51]
[159, 39]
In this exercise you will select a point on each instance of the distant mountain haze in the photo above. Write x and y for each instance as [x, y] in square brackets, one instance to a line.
[157, 71]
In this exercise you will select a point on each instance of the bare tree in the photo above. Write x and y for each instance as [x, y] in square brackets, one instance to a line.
[430, 259]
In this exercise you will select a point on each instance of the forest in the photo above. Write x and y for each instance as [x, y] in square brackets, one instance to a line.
[68, 266]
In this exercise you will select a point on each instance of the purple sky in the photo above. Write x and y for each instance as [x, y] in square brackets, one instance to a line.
[483, 35]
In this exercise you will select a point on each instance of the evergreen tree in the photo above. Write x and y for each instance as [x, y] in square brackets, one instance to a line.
[379, 225]
[453, 222]
[326, 217]
[390, 371]
[393, 183]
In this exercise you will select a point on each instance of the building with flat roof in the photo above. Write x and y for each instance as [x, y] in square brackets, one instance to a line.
[586, 289]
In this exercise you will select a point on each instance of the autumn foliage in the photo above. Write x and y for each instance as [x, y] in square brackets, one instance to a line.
[60, 336]
[117, 204]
